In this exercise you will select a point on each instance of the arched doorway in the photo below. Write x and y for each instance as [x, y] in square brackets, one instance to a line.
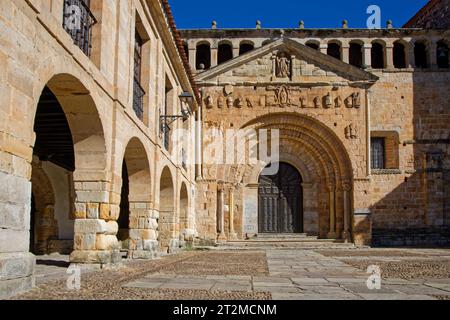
[280, 199]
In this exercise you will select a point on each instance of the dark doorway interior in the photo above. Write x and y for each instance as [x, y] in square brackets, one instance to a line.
[124, 217]
[281, 201]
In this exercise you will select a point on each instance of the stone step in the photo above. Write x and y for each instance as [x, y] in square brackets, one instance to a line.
[288, 236]
[299, 244]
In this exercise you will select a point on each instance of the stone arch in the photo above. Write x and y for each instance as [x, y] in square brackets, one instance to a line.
[313, 44]
[224, 51]
[203, 55]
[84, 121]
[421, 53]
[378, 54]
[334, 49]
[80, 121]
[356, 53]
[442, 53]
[167, 214]
[246, 46]
[137, 226]
[400, 54]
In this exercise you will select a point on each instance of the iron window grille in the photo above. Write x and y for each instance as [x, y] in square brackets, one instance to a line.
[378, 153]
[78, 22]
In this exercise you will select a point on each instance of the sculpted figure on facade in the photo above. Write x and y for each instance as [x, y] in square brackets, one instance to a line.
[283, 66]
[316, 102]
[209, 102]
[230, 102]
[356, 100]
[328, 101]
[351, 132]
[338, 102]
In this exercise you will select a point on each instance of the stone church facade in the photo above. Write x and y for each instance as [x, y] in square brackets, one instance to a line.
[363, 121]
[92, 93]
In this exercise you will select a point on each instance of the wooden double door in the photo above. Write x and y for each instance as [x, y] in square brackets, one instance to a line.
[280, 197]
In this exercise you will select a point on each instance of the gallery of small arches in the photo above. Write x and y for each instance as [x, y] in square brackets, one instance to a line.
[70, 148]
[419, 53]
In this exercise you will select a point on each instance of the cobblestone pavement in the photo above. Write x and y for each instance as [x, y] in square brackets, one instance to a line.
[265, 274]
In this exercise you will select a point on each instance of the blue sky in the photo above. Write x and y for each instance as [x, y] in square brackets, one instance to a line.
[287, 13]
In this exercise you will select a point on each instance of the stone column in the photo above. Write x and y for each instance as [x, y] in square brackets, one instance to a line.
[193, 57]
[367, 55]
[220, 214]
[390, 56]
[346, 53]
[235, 52]
[411, 57]
[347, 211]
[433, 54]
[214, 56]
[323, 48]
[232, 235]
[143, 228]
[332, 197]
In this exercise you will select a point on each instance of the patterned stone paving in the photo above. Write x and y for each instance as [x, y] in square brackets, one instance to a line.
[280, 274]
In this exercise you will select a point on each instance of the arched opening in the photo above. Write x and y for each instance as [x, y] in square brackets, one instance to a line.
[313, 45]
[70, 149]
[203, 57]
[356, 54]
[280, 201]
[334, 50]
[52, 225]
[167, 216]
[377, 54]
[184, 207]
[225, 53]
[135, 199]
[442, 55]
[399, 53]
[245, 47]
[421, 55]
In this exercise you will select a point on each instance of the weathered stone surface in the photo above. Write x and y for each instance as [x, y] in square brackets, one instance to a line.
[106, 242]
[85, 241]
[16, 265]
[9, 288]
[92, 211]
[90, 226]
[14, 240]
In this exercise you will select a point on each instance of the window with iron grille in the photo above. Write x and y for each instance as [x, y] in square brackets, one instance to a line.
[378, 153]
[78, 22]
[138, 91]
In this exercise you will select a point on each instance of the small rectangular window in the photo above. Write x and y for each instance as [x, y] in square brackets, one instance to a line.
[378, 153]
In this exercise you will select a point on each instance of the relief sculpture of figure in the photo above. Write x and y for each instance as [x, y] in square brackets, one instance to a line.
[283, 66]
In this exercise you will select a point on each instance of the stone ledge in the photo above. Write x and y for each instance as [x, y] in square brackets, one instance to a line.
[386, 171]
